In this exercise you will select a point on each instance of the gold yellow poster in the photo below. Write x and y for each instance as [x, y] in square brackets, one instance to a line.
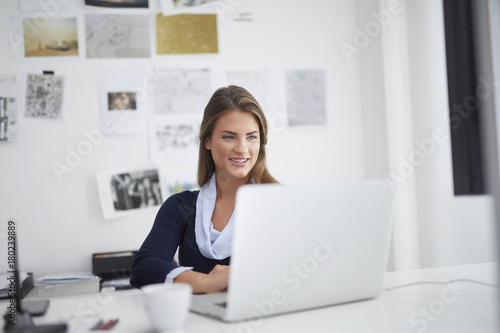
[186, 33]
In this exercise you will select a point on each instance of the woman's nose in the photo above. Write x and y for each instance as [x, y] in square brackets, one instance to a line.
[241, 146]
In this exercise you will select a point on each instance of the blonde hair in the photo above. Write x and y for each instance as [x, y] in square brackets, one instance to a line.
[224, 100]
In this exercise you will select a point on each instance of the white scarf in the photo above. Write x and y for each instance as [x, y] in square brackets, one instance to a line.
[220, 248]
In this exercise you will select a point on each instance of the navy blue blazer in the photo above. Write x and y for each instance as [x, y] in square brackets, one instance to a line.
[173, 228]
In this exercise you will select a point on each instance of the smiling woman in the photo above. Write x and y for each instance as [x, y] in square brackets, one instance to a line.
[224, 102]
[234, 146]
[199, 224]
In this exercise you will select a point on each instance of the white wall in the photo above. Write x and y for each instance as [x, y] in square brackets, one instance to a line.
[61, 223]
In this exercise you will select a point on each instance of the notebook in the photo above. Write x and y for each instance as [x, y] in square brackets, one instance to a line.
[299, 247]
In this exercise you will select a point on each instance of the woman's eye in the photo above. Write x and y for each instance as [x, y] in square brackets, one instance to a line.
[228, 137]
[252, 137]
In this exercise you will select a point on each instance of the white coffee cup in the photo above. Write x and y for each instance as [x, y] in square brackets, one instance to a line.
[167, 304]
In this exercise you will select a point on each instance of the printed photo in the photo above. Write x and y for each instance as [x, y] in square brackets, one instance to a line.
[57, 38]
[180, 180]
[118, 3]
[126, 192]
[121, 101]
[136, 190]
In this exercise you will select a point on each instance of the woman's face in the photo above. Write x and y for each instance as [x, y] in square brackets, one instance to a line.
[235, 145]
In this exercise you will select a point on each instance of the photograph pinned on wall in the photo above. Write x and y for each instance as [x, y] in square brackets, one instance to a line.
[122, 101]
[58, 37]
[186, 34]
[186, 6]
[125, 192]
[173, 140]
[180, 180]
[44, 96]
[182, 90]
[305, 97]
[118, 3]
[117, 36]
[33, 39]
[9, 99]
[123, 104]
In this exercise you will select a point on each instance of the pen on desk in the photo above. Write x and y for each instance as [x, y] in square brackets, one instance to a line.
[96, 325]
[112, 324]
[108, 325]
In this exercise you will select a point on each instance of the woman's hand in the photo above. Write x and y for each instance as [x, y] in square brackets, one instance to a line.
[215, 281]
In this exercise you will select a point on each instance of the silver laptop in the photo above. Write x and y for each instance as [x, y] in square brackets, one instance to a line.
[298, 247]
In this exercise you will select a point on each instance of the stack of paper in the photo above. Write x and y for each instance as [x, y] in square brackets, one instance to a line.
[67, 284]
[118, 284]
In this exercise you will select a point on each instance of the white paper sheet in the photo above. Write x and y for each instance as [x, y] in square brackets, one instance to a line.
[123, 102]
[305, 95]
[117, 36]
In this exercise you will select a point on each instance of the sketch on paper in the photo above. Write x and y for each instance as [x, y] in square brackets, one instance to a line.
[305, 97]
[182, 91]
[58, 37]
[125, 192]
[117, 36]
[122, 101]
[176, 136]
[174, 141]
[44, 96]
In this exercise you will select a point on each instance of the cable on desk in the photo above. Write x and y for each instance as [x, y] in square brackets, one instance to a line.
[441, 283]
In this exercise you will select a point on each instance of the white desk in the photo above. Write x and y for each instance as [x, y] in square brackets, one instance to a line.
[466, 307]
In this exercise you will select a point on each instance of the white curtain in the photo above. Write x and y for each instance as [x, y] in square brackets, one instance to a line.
[405, 242]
